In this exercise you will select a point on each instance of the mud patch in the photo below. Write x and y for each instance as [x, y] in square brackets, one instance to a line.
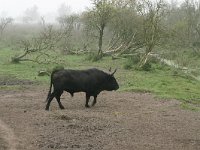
[7, 137]
[119, 121]
[3, 143]
[62, 117]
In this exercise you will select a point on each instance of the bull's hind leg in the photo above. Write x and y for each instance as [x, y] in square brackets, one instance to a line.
[58, 100]
[95, 100]
[50, 98]
[87, 100]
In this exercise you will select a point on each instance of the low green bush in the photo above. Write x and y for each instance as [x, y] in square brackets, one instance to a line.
[58, 67]
[131, 62]
[93, 57]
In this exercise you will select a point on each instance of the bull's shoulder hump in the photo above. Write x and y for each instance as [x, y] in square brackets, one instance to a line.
[95, 70]
[75, 72]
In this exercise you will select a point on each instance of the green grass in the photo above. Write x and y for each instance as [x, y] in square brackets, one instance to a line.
[189, 106]
[161, 80]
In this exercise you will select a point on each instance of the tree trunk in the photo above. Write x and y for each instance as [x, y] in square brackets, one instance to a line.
[17, 59]
[144, 59]
[100, 52]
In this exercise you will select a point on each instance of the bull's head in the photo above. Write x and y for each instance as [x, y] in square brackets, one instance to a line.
[111, 83]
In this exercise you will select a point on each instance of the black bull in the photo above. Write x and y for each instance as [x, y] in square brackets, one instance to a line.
[91, 81]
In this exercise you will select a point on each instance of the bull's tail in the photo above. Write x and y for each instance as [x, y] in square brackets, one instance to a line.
[54, 71]
[49, 93]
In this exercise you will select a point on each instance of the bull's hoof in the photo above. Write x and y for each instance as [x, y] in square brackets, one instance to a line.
[47, 109]
[87, 106]
[62, 107]
[93, 104]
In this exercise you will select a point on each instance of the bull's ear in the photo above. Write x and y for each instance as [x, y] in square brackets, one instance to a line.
[113, 72]
[109, 69]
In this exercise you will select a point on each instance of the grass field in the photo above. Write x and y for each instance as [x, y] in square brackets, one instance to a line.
[161, 80]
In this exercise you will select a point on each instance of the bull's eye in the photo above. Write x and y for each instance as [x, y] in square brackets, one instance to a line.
[111, 78]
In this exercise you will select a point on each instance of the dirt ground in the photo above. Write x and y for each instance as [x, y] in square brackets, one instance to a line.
[119, 121]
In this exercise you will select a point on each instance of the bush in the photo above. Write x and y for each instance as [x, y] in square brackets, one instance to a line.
[131, 61]
[58, 67]
[93, 57]
[152, 64]
[135, 59]
[127, 66]
[146, 67]
[154, 60]
[15, 60]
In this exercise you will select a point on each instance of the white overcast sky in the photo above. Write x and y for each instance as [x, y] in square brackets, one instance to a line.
[15, 8]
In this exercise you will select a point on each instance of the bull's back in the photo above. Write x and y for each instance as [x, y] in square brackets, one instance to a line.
[76, 80]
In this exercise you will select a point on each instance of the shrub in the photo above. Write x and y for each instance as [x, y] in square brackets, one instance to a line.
[93, 57]
[131, 61]
[58, 67]
[146, 67]
[154, 60]
[127, 65]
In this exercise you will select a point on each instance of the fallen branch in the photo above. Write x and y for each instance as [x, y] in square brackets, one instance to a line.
[44, 73]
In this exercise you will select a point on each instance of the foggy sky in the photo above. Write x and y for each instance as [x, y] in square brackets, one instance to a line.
[16, 8]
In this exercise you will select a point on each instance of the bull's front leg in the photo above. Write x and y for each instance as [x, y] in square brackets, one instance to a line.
[87, 100]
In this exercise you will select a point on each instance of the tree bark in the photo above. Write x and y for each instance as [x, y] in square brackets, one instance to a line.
[101, 31]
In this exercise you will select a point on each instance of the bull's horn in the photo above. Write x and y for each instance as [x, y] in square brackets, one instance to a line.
[114, 72]
[109, 69]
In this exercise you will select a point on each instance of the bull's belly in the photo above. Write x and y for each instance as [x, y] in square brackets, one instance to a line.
[74, 90]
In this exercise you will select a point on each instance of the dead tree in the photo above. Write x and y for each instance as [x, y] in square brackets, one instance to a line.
[39, 49]
[152, 30]
[4, 22]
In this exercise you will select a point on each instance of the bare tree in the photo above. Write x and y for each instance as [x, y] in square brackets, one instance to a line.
[4, 23]
[39, 49]
[184, 22]
[152, 29]
[68, 24]
[64, 10]
[31, 15]
[124, 28]
[192, 18]
[98, 17]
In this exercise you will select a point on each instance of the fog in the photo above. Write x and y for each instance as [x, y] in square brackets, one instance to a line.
[48, 9]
